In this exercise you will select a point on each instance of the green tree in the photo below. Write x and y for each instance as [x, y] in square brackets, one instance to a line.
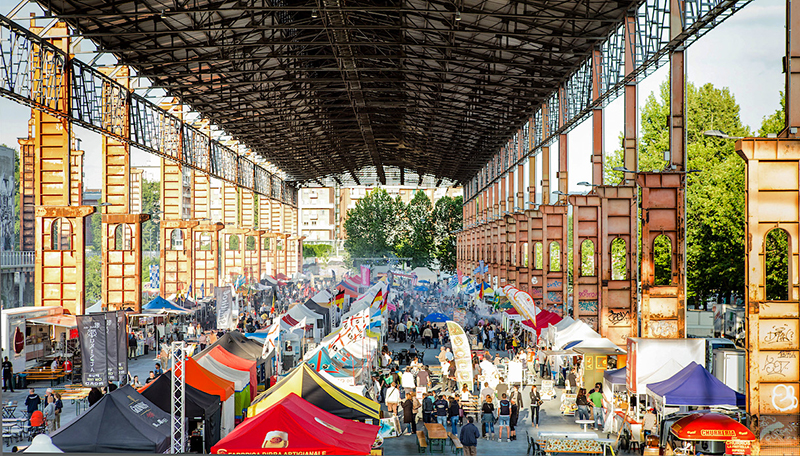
[448, 216]
[93, 287]
[96, 227]
[715, 197]
[418, 242]
[369, 227]
[151, 194]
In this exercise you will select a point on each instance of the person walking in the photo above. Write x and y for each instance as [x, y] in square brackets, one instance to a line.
[407, 381]
[392, 398]
[504, 420]
[441, 406]
[536, 402]
[410, 413]
[427, 335]
[8, 374]
[514, 418]
[469, 437]
[572, 381]
[488, 417]
[453, 414]
[597, 402]
[424, 377]
[59, 408]
[427, 408]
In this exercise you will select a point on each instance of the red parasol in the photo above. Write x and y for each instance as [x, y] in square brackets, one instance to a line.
[710, 426]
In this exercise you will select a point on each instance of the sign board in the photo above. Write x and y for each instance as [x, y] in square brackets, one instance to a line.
[92, 336]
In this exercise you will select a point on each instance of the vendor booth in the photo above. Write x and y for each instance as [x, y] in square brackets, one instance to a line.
[294, 426]
[708, 433]
[309, 385]
[693, 386]
[236, 362]
[122, 421]
[206, 381]
[203, 410]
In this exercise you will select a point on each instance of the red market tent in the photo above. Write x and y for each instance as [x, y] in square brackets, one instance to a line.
[295, 426]
[543, 320]
[229, 359]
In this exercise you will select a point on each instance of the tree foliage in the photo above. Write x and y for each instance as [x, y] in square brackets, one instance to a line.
[371, 227]
[151, 196]
[322, 251]
[382, 227]
[448, 216]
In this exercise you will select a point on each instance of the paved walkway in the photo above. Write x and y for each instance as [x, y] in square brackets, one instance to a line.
[550, 419]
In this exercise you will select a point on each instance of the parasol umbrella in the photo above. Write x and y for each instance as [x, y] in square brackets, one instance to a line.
[710, 426]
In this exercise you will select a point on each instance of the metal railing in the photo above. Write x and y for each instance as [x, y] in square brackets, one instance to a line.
[17, 260]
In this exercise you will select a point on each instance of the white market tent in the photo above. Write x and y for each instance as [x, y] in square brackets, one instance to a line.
[424, 273]
[577, 331]
[594, 344]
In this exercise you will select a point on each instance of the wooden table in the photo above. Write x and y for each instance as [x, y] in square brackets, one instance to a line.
[78, 397]
[43, 373]
[437, 435]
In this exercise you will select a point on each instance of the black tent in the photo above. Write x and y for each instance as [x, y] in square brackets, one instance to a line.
[323, 312]
[237, 344]
[200, 406]
[123, 421]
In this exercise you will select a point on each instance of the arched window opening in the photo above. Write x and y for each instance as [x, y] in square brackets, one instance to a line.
[250, 243]
[587, 258]
[662, 260]
[555, 256]
[619, 259]
[233, 242]
[280, 244]
[205, 241]
[266, 243]
[538, 256]
[176, 239]
[123, 237]
[512, 252]
[776, 255]
[525, 255]
[61, 234]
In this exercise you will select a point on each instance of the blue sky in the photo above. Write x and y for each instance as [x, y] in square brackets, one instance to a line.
[743, 53]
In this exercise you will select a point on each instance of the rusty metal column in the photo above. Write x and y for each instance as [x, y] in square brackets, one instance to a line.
[58, 213]
[503, 261]
[265, 225]
[277, 228]
[629, 142]
[27, 188]
[233, 235]
[121, 230]
[563, 181]
[545, 157]
[792, 69]
[205, 245]
[176, 264]
[773, 325]
[597, 119]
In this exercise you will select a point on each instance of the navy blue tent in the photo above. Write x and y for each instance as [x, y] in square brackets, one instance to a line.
[161, 304]
[694, 386]
[616, 376]
[437, 317]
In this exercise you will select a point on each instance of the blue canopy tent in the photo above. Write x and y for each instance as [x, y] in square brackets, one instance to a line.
[161, 305]
[421, 288]
[437, 317]
[694, 386]
[616, 376]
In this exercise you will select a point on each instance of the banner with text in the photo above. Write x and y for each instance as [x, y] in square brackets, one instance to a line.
[224, 307]
[461, 351]
[92, 337]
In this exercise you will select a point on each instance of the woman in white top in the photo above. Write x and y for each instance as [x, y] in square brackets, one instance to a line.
[407, 381]
[392, 398]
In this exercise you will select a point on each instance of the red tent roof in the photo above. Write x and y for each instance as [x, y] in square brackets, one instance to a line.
[235, 362]
[295, 426]
[512, 311]
[543, 319]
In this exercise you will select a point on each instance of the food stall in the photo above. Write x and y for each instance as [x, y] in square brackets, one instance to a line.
[35, 334]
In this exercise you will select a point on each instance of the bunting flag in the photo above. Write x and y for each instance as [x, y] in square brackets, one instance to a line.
[480, 294]
[338, 301]
[379, 301]
[460, 276]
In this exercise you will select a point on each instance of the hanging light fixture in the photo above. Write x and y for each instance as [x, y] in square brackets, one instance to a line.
[314, 14]
[458, 16]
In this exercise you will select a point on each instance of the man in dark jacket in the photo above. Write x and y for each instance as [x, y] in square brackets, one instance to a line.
[427, 409]
[469, 437]
[32, 401]
[441, 410]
